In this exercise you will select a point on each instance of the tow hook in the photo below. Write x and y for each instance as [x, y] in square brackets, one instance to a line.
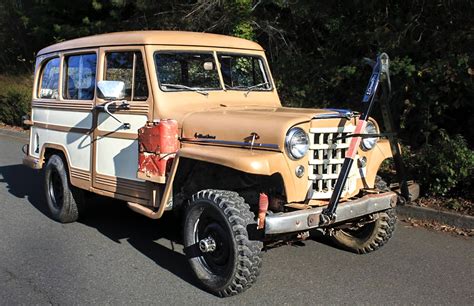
[262, 210]
[207, 245]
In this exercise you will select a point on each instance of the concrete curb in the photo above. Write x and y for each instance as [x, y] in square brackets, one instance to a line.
[16, 134]
[444, 217]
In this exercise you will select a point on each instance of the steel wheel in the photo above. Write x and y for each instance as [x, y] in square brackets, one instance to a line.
[209, 231]
[223, 257]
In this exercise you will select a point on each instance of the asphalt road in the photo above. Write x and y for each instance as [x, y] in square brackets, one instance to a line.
[117, 256]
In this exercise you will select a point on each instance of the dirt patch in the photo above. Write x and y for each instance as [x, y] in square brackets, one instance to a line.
[457, 205]
[439, 227]
[12, 128]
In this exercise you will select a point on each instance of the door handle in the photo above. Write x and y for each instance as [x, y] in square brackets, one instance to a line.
[123, 105]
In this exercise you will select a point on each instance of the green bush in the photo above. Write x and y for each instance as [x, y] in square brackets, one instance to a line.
[443, 167]
[15, 99]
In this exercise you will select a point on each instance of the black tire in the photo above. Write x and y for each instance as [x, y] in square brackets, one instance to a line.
[368, 237]
[380, 184]
[236, 261]
[65, 202]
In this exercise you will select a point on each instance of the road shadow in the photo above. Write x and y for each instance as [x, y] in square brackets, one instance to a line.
[319, 237]
[25, 183]
[114, 220]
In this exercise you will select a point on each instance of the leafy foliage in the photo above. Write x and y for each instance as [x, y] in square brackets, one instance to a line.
[15, 98]
[443, 166]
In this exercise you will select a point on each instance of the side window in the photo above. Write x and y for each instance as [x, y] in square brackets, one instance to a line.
[121, 66]
[48, 88]
[79, 76]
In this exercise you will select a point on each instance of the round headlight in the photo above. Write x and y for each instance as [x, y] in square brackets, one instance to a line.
[369, 143]
[296, 143]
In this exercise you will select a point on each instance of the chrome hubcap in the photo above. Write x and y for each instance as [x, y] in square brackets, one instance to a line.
[207, 245]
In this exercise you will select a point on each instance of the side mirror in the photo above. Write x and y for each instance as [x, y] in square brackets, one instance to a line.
[111, 90]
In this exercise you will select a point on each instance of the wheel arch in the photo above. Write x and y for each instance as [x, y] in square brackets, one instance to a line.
[193, 175]
[244, 161]
[50, 149]
[375, 158]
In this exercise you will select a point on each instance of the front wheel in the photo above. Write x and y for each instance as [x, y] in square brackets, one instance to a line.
[216, 239]
[368, 234]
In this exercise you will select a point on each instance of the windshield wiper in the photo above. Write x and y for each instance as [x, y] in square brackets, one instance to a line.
[180, 86]
[250, 88]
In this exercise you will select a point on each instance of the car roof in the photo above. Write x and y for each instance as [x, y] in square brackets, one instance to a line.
[175, 38]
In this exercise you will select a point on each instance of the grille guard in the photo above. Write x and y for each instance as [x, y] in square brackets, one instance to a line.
[302, 220]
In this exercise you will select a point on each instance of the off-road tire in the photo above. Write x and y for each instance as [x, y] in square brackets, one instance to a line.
[64, 201]
[370, 236]
[225, 215]
[380, 184]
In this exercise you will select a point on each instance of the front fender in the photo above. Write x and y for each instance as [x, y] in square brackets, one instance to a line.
[375, 157]
[249, 161]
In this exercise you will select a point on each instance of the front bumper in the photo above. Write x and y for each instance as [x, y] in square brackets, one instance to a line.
[303, 220]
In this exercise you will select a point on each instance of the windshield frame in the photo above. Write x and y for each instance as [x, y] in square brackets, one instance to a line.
[215, 54]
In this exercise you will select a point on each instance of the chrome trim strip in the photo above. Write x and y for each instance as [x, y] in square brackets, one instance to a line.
[234, 143]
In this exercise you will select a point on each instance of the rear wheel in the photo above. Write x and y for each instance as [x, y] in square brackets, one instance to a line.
[223, 257]
[65, 202]
[368, 234]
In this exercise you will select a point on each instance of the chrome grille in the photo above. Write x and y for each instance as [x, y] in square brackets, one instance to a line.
[326, 159]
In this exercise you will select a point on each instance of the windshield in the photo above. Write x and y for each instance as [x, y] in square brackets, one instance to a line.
[243, 72]
[183, 71]
[197, 71]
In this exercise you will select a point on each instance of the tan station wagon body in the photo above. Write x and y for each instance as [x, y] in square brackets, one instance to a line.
[231, 133]
[226, 114]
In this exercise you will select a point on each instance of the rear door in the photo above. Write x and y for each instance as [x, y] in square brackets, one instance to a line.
[115, 148]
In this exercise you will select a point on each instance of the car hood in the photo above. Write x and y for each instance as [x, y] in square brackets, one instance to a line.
[241, 125]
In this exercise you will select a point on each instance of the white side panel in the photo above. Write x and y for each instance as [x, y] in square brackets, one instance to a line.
[62, 117]
[107, 123]
[78, 145]
[114, 156]
[117, 157]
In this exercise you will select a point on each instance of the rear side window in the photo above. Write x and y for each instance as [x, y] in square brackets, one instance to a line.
[79, 77]
[128, 67]
[49, 80]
